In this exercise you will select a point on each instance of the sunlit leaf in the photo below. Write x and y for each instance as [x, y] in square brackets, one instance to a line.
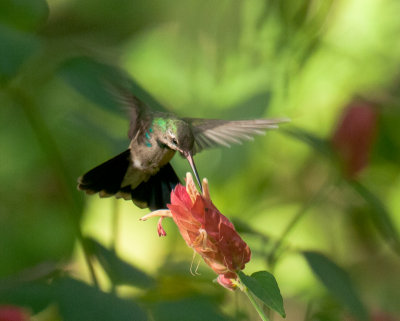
[95, 81]
[78, 301]
[15, 48]
[190, 309]
[338, 283]
[379, 215]
[23, 14]
[265, 287]
[119, 271]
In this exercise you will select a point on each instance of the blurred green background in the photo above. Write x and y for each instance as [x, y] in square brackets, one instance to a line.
[307, 60]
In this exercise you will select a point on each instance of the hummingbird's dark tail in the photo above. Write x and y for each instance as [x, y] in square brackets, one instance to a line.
[107, 180]
[156, 192]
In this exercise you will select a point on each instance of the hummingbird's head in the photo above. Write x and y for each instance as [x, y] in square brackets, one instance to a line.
[178, 136]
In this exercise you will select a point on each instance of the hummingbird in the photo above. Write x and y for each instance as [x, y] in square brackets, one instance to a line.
[143, 172]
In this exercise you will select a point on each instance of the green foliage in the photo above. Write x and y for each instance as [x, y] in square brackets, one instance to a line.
[379, 216]
[190, 309]
[36, 296]
[75, 300]
[16, 48]
[265, 287]
[25, 15]
[319, 144]
[100, 82]
[119, 271]
[337, 282]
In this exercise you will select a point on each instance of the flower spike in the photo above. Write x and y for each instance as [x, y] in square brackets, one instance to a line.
[206, 230]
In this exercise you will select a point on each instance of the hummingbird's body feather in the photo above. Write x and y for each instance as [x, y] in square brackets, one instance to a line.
[143, 173]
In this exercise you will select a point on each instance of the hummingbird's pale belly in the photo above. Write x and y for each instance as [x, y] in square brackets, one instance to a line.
[146, 160]
[150, 157]
[145, 164]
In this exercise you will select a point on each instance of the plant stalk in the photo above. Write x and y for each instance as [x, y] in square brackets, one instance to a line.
[255, 305]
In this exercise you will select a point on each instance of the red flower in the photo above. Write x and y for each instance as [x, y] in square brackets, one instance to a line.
[206, 230]
[13, 313]
[354, 136]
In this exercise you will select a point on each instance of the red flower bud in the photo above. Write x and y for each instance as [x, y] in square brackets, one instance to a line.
[354, 136]
[13, 313]
[206, 230]
[227, 281]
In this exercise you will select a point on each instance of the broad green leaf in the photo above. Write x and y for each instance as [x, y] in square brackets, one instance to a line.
[94, 80]
[78, 301]
[338, 283]
[36, 295]
[119, 271]
[15, 48]
[189, 309]
[23, 14]
[379, 215]
[265, 287]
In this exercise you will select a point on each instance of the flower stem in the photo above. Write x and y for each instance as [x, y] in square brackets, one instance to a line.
[255, 305]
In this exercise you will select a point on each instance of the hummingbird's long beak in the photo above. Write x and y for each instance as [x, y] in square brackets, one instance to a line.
[189, 157]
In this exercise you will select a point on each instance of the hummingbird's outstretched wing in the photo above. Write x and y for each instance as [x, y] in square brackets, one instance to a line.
[140, 113]
[216, 132]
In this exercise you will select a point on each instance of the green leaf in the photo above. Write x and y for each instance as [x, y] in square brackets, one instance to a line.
[338, 283]
[379, 216]
[78, 301]
[189, 309]
[93, 80]
[23, 14]
[265, 287]
[36, 295]
[318, 144]
[16, 47]
[119, 271]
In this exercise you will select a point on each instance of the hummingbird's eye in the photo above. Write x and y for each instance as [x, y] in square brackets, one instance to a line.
[172, 137]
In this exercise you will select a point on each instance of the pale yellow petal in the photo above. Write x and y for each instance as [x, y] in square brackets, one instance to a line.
[159, 213]
[206, 191]
[191, 187]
